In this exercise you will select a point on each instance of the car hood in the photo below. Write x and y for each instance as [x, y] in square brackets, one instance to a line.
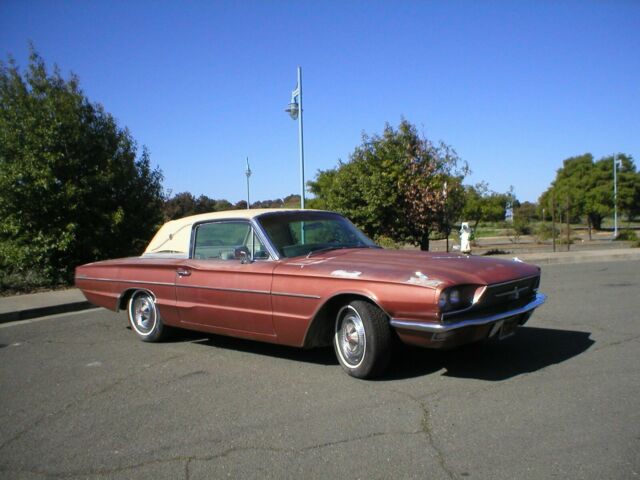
[409, 266]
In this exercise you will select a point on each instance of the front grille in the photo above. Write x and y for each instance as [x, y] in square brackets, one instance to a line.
[501, 297]
[514, 293]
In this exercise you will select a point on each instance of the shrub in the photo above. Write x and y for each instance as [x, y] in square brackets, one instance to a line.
[521, 226]
[545, 231]
[495, 251]
[387, 242]
[23, 281]
[627, 235]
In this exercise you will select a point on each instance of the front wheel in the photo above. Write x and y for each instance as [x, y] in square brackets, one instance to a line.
[362, 339]
[145, 318]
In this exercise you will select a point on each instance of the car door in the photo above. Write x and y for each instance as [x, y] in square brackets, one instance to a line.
[226, 284]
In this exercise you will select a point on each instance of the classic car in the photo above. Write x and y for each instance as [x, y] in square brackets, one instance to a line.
[309, 278]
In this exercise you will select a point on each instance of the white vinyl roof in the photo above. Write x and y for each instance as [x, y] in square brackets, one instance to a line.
[174, 236]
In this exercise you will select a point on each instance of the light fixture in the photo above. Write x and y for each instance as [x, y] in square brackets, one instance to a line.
[293, 110]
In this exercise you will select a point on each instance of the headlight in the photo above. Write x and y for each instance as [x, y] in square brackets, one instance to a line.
[454, 297]
[457, 298]
[443, 301]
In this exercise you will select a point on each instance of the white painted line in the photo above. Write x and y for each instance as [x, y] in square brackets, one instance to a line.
[50, 317]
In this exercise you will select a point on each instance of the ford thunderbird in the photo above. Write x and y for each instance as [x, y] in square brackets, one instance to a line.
[310, 278]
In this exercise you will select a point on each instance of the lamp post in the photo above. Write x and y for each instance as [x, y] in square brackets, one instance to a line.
[295, 111]
[248, 174]
[616, 163]
[446, 219]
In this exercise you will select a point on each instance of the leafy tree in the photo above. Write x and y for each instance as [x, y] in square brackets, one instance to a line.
[526, 211]
[72, 188]
[185, 203]
[482, 204]
[180, 205]
[291, 201]
[277, 203]
[222, 205]
[204, 204]
[628, 184]
[585, 187]
[394, 185]
[433, 200]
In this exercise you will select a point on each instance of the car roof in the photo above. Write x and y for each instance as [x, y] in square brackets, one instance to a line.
[175, 235]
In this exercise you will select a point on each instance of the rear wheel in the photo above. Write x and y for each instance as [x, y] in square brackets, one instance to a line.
[362, 339]
[145, 318]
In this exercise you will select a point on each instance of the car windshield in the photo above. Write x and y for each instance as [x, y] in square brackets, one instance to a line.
[295, 234]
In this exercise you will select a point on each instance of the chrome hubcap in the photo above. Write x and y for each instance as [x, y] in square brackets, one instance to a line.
[351, 338]
[144, 314]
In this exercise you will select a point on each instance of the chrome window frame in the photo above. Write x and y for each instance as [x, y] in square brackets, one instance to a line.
[253, 225]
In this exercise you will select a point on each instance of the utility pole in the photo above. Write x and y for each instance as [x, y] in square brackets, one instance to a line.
[615, 197]
[248, 174]
[568, 226]
[553, 218]
[295, 111]
[446, 217]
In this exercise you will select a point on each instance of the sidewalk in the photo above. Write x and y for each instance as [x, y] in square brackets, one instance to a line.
[34, 305]
[24, 307]
[550, 258]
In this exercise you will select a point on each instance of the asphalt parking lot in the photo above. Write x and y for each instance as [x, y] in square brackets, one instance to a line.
[82, 398]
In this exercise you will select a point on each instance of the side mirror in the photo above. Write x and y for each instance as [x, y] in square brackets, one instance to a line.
[242, 253]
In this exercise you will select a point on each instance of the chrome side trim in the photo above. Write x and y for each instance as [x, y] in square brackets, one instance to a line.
[143, 282]
[296, 295]
[221, 289]
[469, 321]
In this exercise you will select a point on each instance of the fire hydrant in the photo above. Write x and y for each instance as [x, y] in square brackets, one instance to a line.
[465, 238]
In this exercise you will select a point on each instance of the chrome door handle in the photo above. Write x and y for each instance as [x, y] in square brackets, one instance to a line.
[183, 272]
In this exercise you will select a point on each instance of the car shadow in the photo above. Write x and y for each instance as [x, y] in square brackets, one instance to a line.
[320, 356]
[529, 350]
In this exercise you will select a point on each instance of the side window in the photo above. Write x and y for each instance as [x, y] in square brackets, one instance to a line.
[224, 240]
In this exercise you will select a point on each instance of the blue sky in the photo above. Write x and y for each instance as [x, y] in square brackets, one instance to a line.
[514, 86]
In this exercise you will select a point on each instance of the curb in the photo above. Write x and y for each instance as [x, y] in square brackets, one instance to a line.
[575, 257]
[30, 313]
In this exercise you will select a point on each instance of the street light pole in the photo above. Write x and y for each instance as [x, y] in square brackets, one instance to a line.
[295, 111]
[301, 139]
[615, 197]
[446, 219]
[248, 174]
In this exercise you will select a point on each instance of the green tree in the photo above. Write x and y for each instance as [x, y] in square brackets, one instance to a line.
[584, 187]
[180, 205]
[628, 184]
[72, 188]
[394, 185]
[483, 204]
[527, 211]
[185, 203]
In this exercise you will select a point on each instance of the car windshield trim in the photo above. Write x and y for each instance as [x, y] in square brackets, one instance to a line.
[305, 232]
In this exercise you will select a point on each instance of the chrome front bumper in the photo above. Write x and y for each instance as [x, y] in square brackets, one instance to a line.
[470, 321]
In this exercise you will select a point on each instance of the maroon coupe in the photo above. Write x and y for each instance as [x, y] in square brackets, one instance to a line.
[309, 278]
